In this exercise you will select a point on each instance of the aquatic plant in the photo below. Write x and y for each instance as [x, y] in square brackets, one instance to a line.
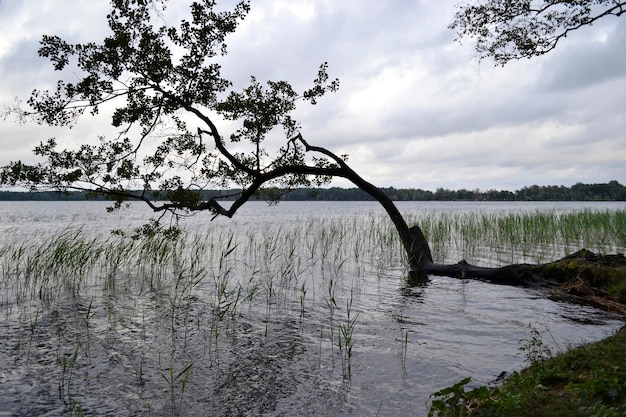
[346, 341]
[172, 378]
[520, 236]
[68, 362]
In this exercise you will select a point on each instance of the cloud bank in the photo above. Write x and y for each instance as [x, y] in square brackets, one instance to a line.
[414, 110]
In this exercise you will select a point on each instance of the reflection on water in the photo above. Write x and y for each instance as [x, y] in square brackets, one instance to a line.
[262, 329]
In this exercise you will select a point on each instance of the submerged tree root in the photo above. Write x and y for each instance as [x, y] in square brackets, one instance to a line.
[583, 276]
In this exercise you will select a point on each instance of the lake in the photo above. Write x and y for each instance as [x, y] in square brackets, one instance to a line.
[301, 308]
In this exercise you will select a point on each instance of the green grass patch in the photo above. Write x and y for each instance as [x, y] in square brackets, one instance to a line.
[586, 381]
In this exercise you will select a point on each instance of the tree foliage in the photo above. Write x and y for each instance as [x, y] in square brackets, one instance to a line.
[166, 94]
[513, 29]
[169, 96]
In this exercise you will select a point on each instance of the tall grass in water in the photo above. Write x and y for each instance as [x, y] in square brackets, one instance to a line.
[44, 269]
[275, 262]
[346, 341]
[536, 236]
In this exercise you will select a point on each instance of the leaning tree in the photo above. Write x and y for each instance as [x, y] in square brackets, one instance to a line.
[507, 30]
[168, 101]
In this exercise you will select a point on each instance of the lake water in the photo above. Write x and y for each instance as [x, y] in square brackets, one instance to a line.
[297, 309]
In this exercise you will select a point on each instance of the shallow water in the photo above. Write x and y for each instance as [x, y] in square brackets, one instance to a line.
[259, 328]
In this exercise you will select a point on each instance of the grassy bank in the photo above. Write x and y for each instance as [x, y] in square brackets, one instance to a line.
[586, 381]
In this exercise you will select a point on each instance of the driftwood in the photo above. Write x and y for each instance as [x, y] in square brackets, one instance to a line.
[583, 275]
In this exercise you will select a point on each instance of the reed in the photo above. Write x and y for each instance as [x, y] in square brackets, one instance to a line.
[345, 340]
[68, 362]
[173, 378]
[535, 236]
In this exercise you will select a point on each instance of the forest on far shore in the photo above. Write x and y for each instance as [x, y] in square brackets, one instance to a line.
[611, 191]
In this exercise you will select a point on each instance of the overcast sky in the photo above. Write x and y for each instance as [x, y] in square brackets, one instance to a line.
[415, 109]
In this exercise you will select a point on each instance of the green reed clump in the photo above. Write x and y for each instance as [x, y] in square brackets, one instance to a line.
[603, 230]
[537, 236]
[41, 269]
[65, 260]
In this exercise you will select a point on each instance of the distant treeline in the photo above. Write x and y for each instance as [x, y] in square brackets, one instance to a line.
[611, 191]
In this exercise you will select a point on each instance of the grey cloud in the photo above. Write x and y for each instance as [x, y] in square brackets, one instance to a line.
[473, 114]
[360, 38]
[22, 59]
[586, 61]
[414, 108]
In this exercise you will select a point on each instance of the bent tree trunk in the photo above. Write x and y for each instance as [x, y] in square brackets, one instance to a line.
[585, 276]
[516, 274]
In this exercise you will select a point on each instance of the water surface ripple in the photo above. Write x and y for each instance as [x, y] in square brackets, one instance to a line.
[299, 309]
